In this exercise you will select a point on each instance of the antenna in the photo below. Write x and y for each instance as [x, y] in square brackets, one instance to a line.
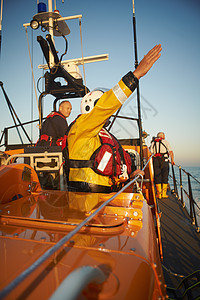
[138, 91]
[1, 22]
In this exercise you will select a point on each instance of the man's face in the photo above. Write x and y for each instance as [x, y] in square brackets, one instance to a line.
[66, 109]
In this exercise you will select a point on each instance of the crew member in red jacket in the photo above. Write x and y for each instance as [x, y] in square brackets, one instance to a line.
[55, 126]
[162, 151]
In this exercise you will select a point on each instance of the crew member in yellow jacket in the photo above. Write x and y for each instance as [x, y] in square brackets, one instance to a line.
[83, 137]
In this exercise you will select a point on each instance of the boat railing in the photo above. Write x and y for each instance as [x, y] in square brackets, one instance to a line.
[180, 190]
[4, 139]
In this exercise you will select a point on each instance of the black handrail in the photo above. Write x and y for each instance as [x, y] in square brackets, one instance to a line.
[192, 203]
[5, 132]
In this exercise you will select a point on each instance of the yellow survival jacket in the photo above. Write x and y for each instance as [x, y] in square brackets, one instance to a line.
[83, 137]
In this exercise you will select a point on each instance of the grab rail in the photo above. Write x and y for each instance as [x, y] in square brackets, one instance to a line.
[192, 203]
[5, 133]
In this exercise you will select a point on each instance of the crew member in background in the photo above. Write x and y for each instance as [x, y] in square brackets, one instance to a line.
[85, 135]
[55, 126]
[162, 151]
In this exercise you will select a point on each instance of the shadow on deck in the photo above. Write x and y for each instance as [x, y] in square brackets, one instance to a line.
[181, 242]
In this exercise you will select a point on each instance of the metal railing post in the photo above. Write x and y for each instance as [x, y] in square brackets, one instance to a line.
[6, 137]
[174, 182]
[192, 203]
[181, 186]
[2, 136]
[192, 208]
[189, 188]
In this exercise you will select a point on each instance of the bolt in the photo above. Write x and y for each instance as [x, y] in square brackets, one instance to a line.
[132, 249]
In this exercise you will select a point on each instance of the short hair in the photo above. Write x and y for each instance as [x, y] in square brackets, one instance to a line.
[65, 101]
[160, 134]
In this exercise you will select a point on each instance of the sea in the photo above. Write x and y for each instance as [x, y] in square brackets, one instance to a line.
[195, 186]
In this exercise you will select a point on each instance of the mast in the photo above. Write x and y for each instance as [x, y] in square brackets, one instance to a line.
[1, 22]
[50, 7]
[138, 91]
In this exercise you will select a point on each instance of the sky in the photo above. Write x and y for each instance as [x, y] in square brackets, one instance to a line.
[169, 93]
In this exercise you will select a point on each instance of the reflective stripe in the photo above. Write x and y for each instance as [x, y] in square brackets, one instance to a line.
[119, 94]
[104, 161]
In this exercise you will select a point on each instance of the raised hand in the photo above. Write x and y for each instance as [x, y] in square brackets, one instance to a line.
[147, 62]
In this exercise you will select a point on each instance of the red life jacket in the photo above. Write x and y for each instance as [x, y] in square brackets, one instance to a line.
[110, 157]
[158, 154]
[50, 139]
[55, 113]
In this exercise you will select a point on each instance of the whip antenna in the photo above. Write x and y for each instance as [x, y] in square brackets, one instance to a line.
[1, 22]
[138, 91]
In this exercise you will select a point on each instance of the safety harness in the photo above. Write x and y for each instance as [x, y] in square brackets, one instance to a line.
[44, 137]
[157, 152]
[109, 159]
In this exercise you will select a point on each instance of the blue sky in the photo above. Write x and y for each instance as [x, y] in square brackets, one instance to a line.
[169, 93]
